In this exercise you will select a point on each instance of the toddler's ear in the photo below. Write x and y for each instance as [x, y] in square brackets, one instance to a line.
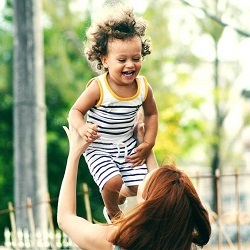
[104, 61]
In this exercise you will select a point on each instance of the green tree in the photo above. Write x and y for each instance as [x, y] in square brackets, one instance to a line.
[219, 143]
[180, 124]
[169, 69]
[186, 130]
[6, 110]
[67, 73]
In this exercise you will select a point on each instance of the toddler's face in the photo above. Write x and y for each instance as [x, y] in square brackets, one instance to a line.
[123, 59]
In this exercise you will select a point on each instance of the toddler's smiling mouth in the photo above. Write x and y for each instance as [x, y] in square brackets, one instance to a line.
[128, 73]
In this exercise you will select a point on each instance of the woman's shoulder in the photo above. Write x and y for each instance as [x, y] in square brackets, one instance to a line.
[91, 236]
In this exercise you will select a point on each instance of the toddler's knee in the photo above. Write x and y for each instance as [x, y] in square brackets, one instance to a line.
[114, 183]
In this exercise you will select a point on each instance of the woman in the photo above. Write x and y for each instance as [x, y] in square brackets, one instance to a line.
[169, 214]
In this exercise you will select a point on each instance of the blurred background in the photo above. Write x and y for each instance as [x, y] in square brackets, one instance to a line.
[199, 70]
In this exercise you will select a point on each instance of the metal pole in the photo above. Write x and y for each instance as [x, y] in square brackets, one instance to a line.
[218, 185]
[237, 201]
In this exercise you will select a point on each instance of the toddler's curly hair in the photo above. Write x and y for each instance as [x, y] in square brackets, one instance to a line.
[120, 24]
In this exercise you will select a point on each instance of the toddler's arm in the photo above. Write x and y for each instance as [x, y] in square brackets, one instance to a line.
[151, 127]
[87, 100]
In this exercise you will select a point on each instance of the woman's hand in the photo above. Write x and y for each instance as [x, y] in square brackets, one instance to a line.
[139, 157]
[139, 129]
[76, 143]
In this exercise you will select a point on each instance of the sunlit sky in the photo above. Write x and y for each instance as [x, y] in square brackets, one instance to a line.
[138, 5]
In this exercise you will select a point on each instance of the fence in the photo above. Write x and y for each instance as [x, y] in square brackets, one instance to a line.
[49, 240]
[33, 238]
[230, 226]
[231, 223]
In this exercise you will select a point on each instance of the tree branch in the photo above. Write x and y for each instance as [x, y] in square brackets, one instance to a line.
[217, 19]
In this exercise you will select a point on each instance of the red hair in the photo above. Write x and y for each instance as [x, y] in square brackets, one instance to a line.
[171, 217]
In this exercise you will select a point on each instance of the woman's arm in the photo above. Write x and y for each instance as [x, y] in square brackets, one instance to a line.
[67, 195]
[151, 161]
[83, 233]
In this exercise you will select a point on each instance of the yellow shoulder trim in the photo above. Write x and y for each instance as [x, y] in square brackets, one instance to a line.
[146, 86]
[98, 104]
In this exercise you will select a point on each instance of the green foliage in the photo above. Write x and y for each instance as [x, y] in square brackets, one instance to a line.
[157, 31]
[6, 110]
[66, 73]
[181, 124]
[182, 127]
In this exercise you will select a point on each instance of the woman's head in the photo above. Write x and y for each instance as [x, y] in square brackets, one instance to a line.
[173, 192]
[114, 23]
[170, 217]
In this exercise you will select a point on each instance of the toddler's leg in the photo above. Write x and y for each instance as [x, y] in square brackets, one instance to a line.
[110, 195]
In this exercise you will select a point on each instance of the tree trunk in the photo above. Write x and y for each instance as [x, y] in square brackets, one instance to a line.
[29, 114]
[216, 145]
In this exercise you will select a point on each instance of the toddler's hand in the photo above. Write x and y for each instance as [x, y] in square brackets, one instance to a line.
[76, 143]
[89, 132]
[140, 155]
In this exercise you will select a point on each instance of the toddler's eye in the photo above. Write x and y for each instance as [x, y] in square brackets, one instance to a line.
[137, 59]
[121, 60]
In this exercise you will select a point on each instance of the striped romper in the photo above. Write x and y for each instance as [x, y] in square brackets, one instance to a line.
[115, 117]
